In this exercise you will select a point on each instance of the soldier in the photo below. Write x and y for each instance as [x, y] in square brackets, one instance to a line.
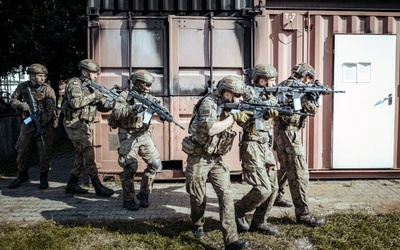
[135, 140]
[289, 148]
[258, 161]
[211, 137]
[45, 102]
[79, 109]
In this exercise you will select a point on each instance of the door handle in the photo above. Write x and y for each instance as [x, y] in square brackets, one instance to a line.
[389, 99]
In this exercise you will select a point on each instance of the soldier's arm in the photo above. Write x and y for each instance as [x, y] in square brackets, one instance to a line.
[50, 105]
[75, 95]
[121, 107]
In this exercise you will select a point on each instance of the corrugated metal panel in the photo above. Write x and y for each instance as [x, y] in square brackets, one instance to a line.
[277, 41]
[312, 41]
[169, 5]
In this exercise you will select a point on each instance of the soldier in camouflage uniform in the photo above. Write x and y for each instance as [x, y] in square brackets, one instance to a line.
[135, 140]
[45, 99]
[258, 161]
[211, 137]
[79, 107]
[289, 148]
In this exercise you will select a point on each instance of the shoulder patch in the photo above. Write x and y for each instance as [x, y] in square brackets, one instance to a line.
[75, 83]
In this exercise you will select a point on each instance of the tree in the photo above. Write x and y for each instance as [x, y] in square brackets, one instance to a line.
[50, 32]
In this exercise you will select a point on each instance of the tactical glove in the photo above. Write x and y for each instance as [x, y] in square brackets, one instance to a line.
[242, 116]
[138, 107]
[98, 96]
[270, 113]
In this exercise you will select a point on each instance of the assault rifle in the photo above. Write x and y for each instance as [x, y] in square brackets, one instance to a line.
[259, 109]
[111, 95]
[35, 116]
[296, 91]
[152, 107]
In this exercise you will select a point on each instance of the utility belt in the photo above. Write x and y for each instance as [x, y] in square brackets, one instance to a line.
[135, 132]
[259, 139]
[287, 127]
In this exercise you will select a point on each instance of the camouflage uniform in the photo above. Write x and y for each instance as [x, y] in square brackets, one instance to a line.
[135, 140]
[46, 100]
[258, 165]
[289, 148]
[202, 166]
[79, 107]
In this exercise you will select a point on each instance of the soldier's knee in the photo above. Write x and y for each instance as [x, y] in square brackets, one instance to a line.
[154, 166]
[263, 191]
[130, 169]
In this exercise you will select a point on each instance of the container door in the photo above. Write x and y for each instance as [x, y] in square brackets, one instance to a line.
[364, 117]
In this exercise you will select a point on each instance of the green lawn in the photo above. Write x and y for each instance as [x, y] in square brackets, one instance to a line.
[342, 231]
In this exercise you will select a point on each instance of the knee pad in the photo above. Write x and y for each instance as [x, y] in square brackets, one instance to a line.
[154, 166]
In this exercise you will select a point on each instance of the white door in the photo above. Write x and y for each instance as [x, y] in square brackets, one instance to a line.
[364, 116]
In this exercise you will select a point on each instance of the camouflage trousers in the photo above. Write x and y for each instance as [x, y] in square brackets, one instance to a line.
[131, 147]
[81, 135]
[27, 137]
[199, 168]
[289, 148]
[259, 170]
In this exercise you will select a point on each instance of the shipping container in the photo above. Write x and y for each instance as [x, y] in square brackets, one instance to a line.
[190, 45]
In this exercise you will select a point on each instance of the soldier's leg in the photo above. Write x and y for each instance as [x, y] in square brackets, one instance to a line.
[24, 148]
[127, 159]
[196, 177]
[45, 154]
[151, 156]
[220, 179]
[282, 182]
[259, 222]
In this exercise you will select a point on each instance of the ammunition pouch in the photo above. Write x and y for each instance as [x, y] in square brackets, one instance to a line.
[188, 145]
[220, 143]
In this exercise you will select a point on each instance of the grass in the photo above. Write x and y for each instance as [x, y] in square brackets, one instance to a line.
[342, 231]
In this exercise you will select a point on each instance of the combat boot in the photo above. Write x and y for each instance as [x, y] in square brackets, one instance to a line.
[238, 245]
[130, 205]
[144, 199]
[264, 228]
[22, 177]
[281, 202]
[44, 183]
[241, 222]
[73, 187]
[100, 189]
[198, 233]
[311, 221]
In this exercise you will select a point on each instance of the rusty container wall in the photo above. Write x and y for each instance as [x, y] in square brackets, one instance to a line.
[309, 38]
[110, 43]
[196, 50]
[183, 68]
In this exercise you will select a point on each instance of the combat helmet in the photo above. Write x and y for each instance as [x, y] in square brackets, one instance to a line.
[89, 64]
[303, 69]
[142, 78]
[37, 68]
[231, 83]
[263, 70]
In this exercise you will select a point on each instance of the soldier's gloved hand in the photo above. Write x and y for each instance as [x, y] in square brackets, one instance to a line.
[24, 107]
[270, 113]
[242, 116]
[98, 96]
[138, 107]
[313, 96]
